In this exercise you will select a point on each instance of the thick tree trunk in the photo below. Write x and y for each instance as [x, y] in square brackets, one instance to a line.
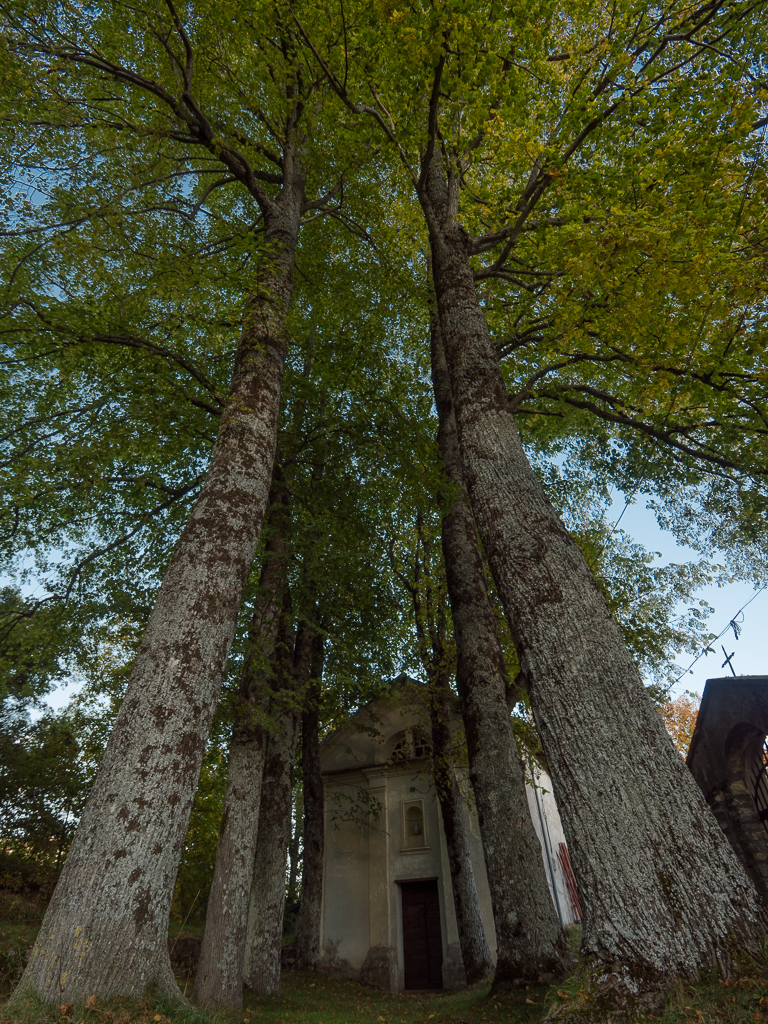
[475, 953]
[219, 979]
[529, 938]
[308, 938]
[663, 893]
[106, 929]
[265, 913]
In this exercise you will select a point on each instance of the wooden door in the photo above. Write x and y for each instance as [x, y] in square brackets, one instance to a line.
[422, 935]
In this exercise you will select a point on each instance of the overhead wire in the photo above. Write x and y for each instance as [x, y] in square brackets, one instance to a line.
[731, 625]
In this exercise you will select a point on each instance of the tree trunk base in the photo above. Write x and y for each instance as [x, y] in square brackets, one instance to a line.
[616, 993]
[161, 985]
[621, 992]
[511, 975]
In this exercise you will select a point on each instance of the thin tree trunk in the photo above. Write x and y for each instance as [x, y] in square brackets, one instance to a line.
[663, 893]
[106, 929]
[308, 938]
[219, 979]
[529, 938]
[294, 844]
[478, 963]
[265, 913]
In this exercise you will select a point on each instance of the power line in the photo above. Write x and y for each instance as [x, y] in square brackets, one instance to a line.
[729, 626]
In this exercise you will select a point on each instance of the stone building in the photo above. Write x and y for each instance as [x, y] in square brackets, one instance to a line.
[388, 918]
[728, 757]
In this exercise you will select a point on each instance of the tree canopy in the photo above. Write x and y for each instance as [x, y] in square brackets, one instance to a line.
[608, 168]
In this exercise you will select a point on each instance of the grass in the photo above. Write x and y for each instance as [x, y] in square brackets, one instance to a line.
[308, 998]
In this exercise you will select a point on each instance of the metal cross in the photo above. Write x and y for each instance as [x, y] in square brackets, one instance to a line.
[727, 660]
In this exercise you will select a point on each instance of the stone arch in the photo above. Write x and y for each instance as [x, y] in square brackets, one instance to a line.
[726, 759]
[734, 801]
[744, 750]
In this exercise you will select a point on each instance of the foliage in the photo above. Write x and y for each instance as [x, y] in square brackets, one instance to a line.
[36, 640]
[44, 787]
[680, 719]
[645, 598]
[12, 960]
[609, 180]
[126, 269]
[612, 214]
[49, 761]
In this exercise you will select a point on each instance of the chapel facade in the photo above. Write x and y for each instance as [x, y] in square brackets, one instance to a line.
[388, 918]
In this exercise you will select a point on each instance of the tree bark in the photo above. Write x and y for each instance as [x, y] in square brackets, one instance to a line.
[219, 979]
[663, 893]
[478, 963]
[308, 937]
[529, 939]
[267, 902]
[106, 929]
[294, 846]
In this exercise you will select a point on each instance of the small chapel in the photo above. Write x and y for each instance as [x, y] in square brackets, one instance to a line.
[388, 918]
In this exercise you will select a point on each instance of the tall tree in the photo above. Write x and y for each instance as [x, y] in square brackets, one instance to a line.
[478, 963]
[529, 937]
[437, 656]
[264, 934]
[640, 834]
[110, 937]
[219, 979]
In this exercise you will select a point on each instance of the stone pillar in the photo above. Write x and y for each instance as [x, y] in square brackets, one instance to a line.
[380, 968]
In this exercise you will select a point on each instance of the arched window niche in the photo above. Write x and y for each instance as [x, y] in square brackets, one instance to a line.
[745, 755]
[414, 831]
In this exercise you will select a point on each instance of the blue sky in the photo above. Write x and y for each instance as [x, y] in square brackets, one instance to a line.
[750, 649]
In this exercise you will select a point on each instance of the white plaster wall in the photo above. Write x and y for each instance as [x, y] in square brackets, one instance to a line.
[420, 863]
[345, 920]
[546, 814]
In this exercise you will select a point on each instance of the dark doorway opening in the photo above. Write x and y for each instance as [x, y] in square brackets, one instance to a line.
[422, 935]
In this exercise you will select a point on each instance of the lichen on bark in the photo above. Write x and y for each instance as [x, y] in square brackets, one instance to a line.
[529, 939]
[219, 979]
[105, 931]
[663, 893]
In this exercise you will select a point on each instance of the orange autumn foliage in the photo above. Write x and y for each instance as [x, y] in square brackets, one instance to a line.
[680, 719]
